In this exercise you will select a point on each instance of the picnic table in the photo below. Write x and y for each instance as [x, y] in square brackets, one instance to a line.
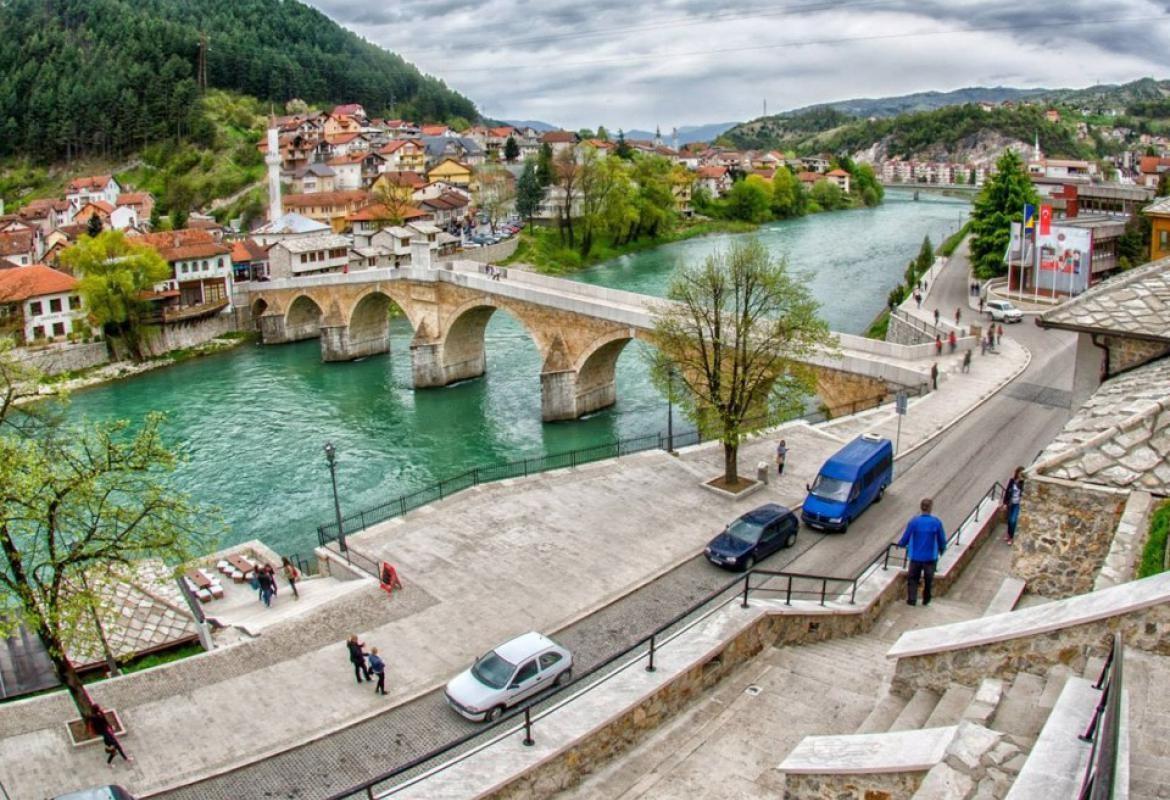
[199, 579]
[242, 564]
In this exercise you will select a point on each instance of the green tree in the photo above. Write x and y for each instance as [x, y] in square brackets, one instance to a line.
[925, 258]
[828, 195]
[511, 149]
[114, 273]
[787, 197]
[544, 166]
[623, 149]
[1000, 203]
[529, 192]
[94, 226]
[749, 200]
[155, 218]
[737, 337]
[1133, 246]
[602, 133]
[866, 185]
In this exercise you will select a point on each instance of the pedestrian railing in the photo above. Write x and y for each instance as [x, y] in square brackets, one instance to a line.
[327, 533]
[1104, 728]
[739, 591]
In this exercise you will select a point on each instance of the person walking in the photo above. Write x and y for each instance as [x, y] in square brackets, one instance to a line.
[981, 301]
[999, 335]
[1013, 493]
[378, 667]
[358, 658]
[292, 575]
[781, 456]
[958, 314]
[925, 540]
[936, 318]
[982, 345]
[265, 581]
[101, 727]
[967, 361]
[934, 375]
[952, 341]
[272, 579]
[938, 345]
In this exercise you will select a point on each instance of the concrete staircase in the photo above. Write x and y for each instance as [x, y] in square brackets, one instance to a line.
[1146, 679]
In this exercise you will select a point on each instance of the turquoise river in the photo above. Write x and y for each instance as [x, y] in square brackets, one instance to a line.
[253, 420]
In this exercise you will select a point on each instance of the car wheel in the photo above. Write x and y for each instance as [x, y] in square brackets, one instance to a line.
[791, 540]
[493, 714]
[564, 677]
[881, 493]
[747, 565]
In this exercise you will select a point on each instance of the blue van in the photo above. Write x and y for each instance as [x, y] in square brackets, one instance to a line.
[855, 476]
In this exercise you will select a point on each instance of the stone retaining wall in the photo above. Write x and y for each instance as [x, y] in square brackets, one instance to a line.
[493, 253]
[901, 332]
[871, 786]
[1144, 629]
[57, 358]
[1065, 533]
[176, 336]
[1125, 352]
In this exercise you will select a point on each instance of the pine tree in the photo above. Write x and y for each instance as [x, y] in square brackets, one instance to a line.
[1000, 203]
[529, 192]
[511, 150]
[94, 227]
[544, 166]
[623, 149]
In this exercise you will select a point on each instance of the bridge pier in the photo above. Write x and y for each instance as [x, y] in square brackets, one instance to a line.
[563, 395]
[431, 365]
[275, 329]
[338, 343]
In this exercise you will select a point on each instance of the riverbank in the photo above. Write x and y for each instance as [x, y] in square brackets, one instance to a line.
[117, 370]
[541, 247]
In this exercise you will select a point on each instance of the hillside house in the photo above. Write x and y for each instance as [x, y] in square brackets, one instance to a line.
[309, 255]
[19, 246]
[329, 207]
[201, 274]
[141, 202]
[404, 155]
[335, 125]
[1158, 213]
[559, 141]
[716, 180]
[352, 110]
[40, 304]
[94, 187]
[290, 225]
[839, 177]
[249, 261]
[447, 208]
[451, 171]
[365, 222]
[316, 177]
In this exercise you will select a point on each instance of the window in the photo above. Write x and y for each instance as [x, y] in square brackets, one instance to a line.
[39, 332]
[219, 263]
[58, 328]
[527, 672]
[55, 305]
[183, 269]
[304, 258]
[204, 265]
[1164, 240]
[34, 309]
[549, 659]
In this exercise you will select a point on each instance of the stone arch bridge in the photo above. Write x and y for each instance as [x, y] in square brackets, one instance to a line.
[579, 330]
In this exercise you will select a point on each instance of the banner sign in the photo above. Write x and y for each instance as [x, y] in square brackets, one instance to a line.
[1045, 220]
[1066, 250]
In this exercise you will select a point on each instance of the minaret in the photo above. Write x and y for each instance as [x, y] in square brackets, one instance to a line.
[1036, 148]
[272, 159]
[674, 139]
[657, 136]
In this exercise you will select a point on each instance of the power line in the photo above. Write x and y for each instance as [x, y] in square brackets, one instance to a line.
[804, 43]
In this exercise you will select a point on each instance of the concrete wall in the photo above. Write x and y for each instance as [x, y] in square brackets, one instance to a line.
[57, 358]
[1064, 535]
[493, 253]
[176, 336]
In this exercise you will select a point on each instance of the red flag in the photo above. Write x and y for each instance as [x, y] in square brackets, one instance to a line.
[1045, 220]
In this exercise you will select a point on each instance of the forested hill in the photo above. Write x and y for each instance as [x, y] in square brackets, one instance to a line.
[105, 77]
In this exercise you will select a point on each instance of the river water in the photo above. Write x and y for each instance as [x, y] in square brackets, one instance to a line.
[253, 420]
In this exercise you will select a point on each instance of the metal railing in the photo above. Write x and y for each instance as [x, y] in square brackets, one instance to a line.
[1104, 729]
[738, 590]
[399, 506]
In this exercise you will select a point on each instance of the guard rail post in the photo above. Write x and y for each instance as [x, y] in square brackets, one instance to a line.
[528, 740]
[746, 582]
[650, 666]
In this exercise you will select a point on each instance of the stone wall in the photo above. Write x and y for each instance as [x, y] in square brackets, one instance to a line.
[870, 786]
[57, 358]
[1128, 541]
[901, 332]
[1064, 535]
[493, 253]
[176, 336]
[1125, 352]
[844, 393]
[1144, 629]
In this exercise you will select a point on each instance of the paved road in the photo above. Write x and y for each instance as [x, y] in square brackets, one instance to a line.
[955, 469]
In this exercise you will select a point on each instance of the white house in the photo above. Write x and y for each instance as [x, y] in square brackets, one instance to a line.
[40, 303]
[91, 189]
[309, 255]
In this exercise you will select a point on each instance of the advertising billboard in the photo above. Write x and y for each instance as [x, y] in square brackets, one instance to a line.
[1065, 256]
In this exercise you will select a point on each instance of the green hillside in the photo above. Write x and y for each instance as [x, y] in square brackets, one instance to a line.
[107, 77]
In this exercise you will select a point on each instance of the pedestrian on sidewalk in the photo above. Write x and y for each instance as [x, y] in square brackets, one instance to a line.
[292, 575]
[1012, 495]
[265, 581]
[100, 726]
[999, 335]
[967, 361]
[272, 579]
[934, 375]
[981, 300]
[953, 341]
[938, 345]
[982, 345]
[781, 456]
[918, 299]
[958, 314]
[925, 540]
[936, 318]
[378, 667]
[358, 658]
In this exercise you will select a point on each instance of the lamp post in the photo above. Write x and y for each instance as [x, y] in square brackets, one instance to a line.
[331, 457]
[670, 409]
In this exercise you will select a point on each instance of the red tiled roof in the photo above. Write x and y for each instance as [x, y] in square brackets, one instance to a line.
[246, 250]
[16, 242]
[411, 180]
[712, 172]
[90, 182]
[1149, 164]
[837, 173]
[347, 109]
[434, 130]
[342, 138]
[341, 197]
[34, 280]
[809, 177]
[185, 243]
[135, 198]
[559, 137]
[503, 132]
[397, 144]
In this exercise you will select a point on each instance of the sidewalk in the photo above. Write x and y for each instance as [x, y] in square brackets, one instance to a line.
[487, 564]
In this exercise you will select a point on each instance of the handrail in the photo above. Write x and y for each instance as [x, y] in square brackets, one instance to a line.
[648, 645]
[1105, 728]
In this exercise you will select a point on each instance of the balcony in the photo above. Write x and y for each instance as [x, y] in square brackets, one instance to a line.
[172, 314]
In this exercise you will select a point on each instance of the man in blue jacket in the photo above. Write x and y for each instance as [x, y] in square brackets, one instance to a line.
[925, 540]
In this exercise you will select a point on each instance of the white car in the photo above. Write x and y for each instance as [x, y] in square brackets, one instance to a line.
[1003, 311]
[505, 676]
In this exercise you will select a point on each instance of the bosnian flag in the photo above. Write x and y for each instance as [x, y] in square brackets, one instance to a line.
[1029, 217]
[1045, 220]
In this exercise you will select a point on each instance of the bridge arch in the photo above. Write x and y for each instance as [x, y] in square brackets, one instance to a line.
[302, 320]
[258, 308]
[364, 329]
[459, 352]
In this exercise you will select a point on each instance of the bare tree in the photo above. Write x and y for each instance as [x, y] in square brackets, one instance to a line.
[737, 337]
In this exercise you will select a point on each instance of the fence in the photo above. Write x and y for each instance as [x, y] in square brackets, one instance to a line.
[738, 590]
[1104, 729]
[327, 533]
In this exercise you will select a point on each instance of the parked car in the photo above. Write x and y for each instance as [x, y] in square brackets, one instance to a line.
[753, 537]
[98, 793]
[507, 675]
[853, 478]
[1003, 311]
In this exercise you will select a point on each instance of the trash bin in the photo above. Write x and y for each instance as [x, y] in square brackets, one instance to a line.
[762, 470]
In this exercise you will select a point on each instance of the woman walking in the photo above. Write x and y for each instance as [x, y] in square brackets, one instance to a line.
[292, 575]
[101, 727]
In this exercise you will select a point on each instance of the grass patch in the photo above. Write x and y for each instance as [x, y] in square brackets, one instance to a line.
[542, 247]
[158, 659]
[948, 247]
[1154, 553]
[877, 329]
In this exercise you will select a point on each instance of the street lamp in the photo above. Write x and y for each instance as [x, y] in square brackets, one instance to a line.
[331, 457]
[670, 409]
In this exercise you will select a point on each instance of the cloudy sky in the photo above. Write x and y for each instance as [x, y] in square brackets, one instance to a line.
[624, 63]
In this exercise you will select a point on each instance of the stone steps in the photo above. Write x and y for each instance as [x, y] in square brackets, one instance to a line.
[883, 715]
[1146, 679]
[1019, 712]
[916, 712]
[951, 706]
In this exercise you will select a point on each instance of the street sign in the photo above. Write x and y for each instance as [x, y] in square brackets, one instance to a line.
[901, 401]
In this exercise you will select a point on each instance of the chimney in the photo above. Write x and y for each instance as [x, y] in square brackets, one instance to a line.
[420, 252]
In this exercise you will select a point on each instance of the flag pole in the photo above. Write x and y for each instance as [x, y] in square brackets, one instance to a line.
[1036, 260]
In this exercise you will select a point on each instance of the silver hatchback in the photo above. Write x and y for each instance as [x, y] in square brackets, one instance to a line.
[507, 675]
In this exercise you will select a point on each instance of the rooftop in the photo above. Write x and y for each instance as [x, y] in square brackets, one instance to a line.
[292, 223]
[1158, 207]
[34, 280]
[1135, 303]
[306, 244]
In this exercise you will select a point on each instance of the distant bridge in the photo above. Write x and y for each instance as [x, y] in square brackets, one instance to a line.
[579, 329]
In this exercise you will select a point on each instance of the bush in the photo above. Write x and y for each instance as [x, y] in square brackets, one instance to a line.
[1154, 553]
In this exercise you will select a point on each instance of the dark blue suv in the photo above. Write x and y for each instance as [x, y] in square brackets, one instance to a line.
[752, 537]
